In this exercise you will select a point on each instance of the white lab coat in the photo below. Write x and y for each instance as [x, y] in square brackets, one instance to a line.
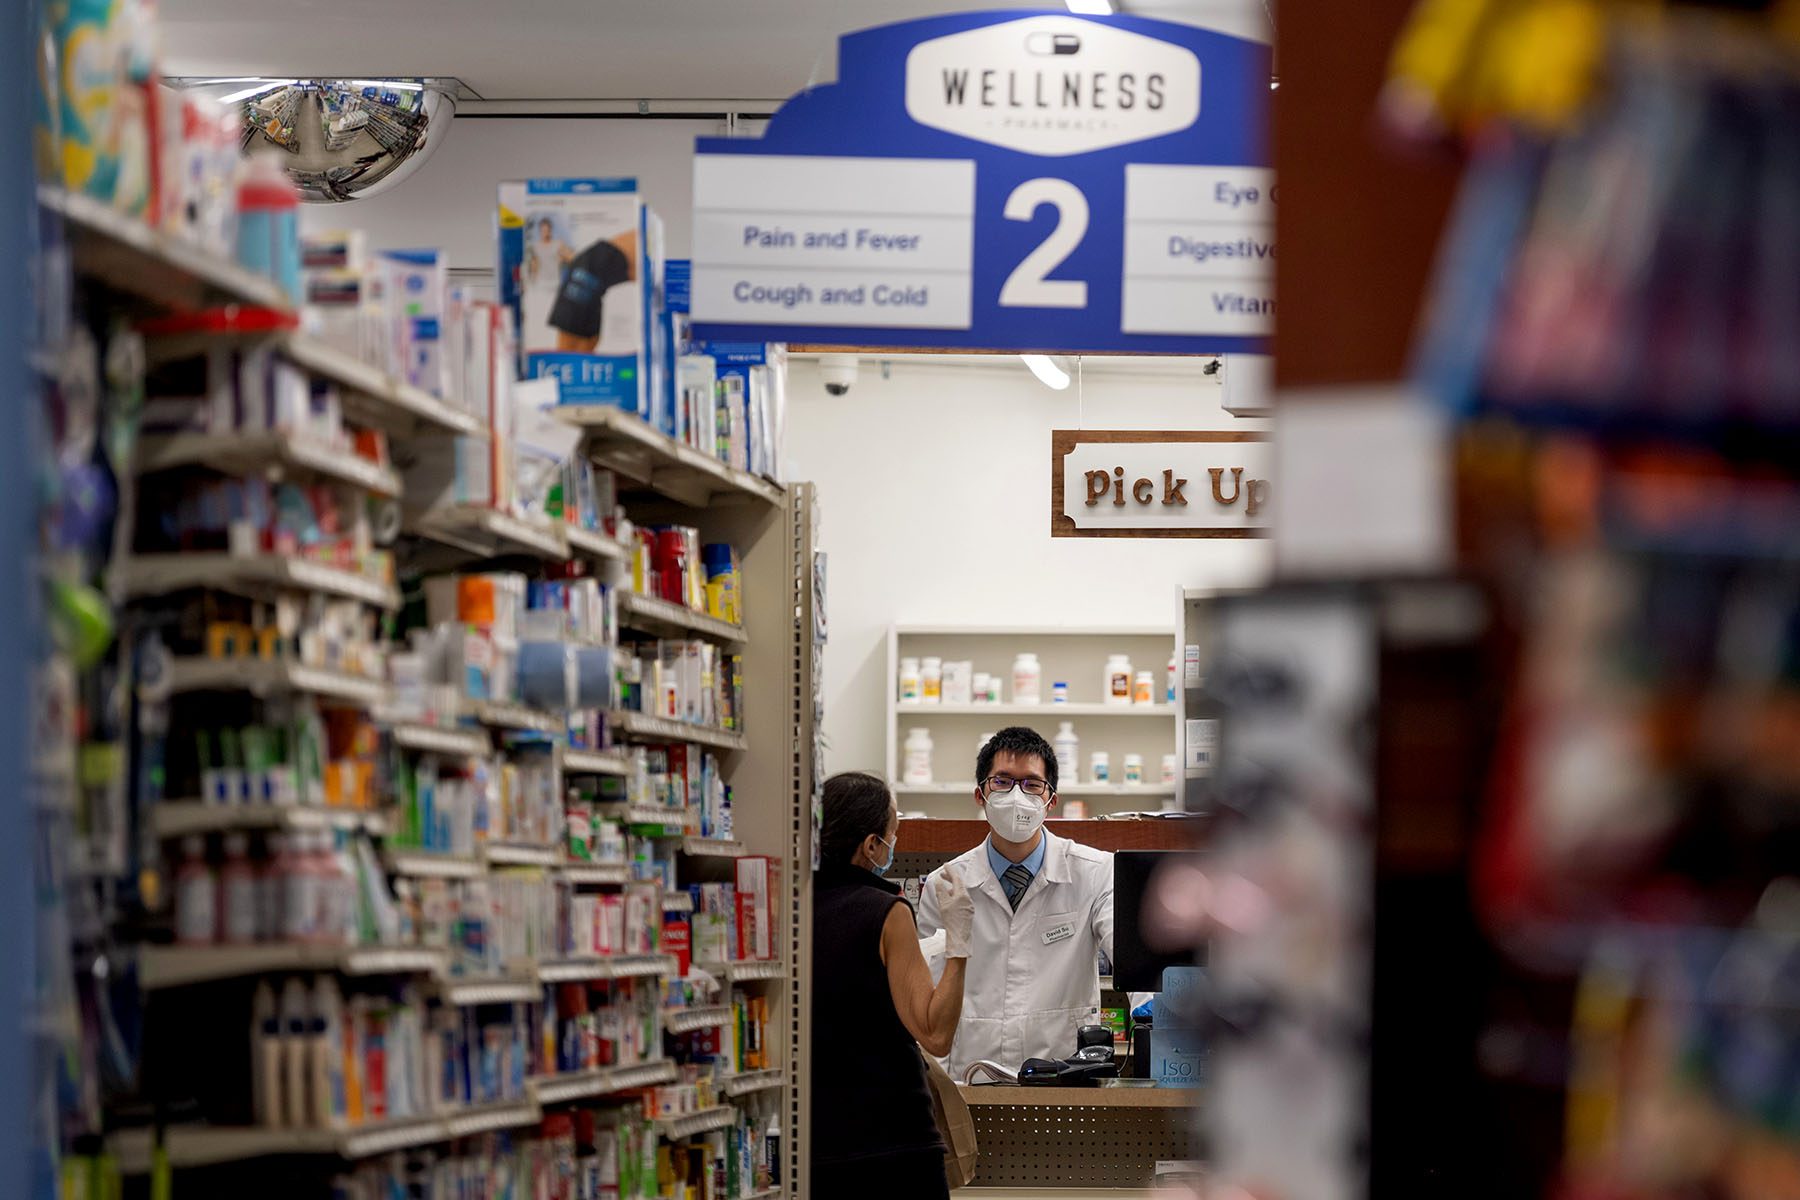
[1032, 974]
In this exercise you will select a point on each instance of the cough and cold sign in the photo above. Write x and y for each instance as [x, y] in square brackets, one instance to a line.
[1002, 181]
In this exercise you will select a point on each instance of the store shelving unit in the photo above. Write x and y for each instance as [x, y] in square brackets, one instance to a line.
[581, 1085]
[266, 677]
[178, 966]
[687, 1020]
[769, 764]
[182, 818]
[144, 575]
[1074, 655]
[662, 618]
[266, 454]
[129, 256]
[720, 1116]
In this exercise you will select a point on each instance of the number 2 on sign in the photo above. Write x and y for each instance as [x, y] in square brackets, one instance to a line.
[1027, 286]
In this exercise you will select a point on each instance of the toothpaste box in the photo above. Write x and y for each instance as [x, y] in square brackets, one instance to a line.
[581, 268]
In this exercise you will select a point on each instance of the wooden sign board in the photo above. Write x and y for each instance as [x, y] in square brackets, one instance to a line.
[1128, 483]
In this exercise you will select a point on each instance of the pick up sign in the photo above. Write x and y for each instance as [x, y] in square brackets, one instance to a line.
[1147, 483]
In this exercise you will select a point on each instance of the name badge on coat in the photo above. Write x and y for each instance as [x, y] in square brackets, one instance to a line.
[1059, 933]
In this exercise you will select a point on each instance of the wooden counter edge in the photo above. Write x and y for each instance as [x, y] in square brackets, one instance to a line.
[1077, 1097]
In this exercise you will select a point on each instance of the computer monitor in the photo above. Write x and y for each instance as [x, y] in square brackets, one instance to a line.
[1137, 967]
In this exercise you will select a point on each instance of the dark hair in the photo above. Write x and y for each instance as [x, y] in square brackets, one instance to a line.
[1021, 740]
[856, 805]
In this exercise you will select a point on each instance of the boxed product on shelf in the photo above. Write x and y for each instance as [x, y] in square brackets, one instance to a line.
[413, 297]
[758, 880]
[694, 682]
[580, 267]
[603, 1024]
[726, 399]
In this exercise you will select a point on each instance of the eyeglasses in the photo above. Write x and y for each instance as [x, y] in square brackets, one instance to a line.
[1006, 783]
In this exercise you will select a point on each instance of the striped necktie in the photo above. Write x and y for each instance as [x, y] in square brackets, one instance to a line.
[1015, 880]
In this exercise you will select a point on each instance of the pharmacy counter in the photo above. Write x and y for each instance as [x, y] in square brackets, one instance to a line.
[1074, 1140]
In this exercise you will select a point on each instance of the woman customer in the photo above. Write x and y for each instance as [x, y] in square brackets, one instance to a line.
[873, 1134]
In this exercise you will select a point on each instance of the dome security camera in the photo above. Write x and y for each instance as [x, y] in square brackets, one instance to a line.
[839, 371]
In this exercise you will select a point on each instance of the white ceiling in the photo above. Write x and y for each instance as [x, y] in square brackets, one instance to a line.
[573, 49]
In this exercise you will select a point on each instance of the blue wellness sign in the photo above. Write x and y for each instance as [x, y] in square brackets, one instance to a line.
[1003, 181]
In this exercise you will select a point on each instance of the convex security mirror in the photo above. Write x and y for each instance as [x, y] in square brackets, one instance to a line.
[340, 139]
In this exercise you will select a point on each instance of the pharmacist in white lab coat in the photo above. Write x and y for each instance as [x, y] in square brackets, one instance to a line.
[1043, 915]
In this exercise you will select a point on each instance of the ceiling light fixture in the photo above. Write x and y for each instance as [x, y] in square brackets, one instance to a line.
[1048, 373]
[1091, 8]
[262, 85]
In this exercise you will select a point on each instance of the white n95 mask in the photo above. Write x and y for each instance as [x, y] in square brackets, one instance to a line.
[1014, 815]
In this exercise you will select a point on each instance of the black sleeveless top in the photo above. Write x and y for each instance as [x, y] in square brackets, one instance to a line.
[869, 1094]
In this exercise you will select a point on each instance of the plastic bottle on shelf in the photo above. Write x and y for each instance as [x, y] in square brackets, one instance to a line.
[909, 681]
[238, 892]
[268, 224]
[931, 680]
[1134, 768]
[918, 757]
[1169, 692]
[196, 896]
[993, 689]
[1118, 680]
[1168, 770]
[1028, 680]
[1099, 767]
[299, 892]
[1068, 754]
[1059, 692]
[1144, 690]
[979, 687]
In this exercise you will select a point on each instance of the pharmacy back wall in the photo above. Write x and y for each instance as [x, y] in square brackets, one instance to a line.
[934, 481]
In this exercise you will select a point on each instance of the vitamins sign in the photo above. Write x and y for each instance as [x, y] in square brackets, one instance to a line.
[1046, 182]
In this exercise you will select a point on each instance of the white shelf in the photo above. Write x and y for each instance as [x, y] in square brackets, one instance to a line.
[909, 709]
[579, 1085]
[1147, 790]
[263, 677]
[441, 739]
[489, 532]
[644, 727]
[650, 815]
[181, 818]
[1119, 631]
[627, 444]
[705, 847]
[428, 864]
[720, 1116]
[647, 614]
[258, 453]
[127, 255]
[486, 1119]
[592, 544]
[746, 1082]
[687, 1020]
[176, 966]
[143, 575]
[591, 762]
[595, 873]
[190, 1146]
[745, 969]
[512, 854]
[505, 714]
[612, 966]
[464, 993]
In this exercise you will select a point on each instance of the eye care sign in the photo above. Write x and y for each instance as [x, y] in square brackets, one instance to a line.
[1002, 181]
[1139, 484]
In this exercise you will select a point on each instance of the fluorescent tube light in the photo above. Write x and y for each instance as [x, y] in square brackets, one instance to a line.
[1091, 8]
